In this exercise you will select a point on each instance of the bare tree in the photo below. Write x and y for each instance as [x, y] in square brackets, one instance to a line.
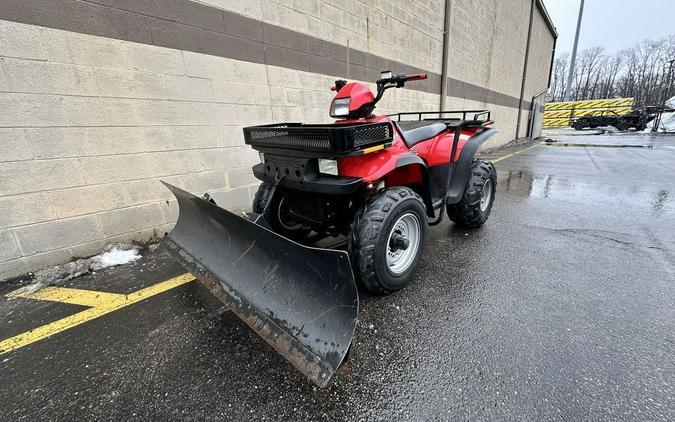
[589, 60]
[640, 71]
[560, 69]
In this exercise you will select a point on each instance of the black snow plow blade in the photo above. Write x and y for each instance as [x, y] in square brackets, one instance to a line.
[303, 301]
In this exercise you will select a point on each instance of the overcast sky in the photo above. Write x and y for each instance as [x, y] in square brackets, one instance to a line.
[613, 24]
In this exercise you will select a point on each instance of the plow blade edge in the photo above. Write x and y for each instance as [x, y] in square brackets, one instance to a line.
[303, 301]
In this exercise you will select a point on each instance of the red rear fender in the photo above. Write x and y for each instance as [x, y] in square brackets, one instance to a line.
[437, 150]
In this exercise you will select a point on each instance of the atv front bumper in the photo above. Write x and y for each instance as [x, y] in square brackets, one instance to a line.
[300, 174]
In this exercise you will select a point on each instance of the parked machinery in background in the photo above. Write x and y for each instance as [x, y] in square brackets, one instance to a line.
[638, 118]
[595, 119]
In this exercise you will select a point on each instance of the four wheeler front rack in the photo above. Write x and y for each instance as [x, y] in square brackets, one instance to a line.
[333, 139]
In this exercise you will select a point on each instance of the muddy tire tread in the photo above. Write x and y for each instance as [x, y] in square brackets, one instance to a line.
[467, 212]
[365, 230]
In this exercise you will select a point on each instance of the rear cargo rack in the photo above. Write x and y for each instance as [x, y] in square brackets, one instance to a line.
[455, 120]
[452, 118]
[337, 139]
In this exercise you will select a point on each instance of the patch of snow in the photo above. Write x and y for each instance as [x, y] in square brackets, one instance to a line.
[117, 255]
[32, 288]
[113, 255]
[667, 123]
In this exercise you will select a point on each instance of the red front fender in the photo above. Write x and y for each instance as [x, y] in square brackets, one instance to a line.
[375, 165]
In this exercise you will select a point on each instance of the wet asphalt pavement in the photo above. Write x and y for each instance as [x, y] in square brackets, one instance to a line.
[562, 307]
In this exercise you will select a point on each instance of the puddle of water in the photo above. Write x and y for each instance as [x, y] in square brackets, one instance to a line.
[523, 184]
[564, 144]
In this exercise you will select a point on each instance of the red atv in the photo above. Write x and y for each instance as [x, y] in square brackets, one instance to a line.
[379, 181]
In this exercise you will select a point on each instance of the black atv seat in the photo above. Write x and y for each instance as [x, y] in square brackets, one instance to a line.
[415, 131]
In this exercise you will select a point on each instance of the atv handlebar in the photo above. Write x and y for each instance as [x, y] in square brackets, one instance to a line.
[416, 77]
[383, 84]
[397, 81]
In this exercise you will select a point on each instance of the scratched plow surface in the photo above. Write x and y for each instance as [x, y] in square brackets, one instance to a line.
[303, 301]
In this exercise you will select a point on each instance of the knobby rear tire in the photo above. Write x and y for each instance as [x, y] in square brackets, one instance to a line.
[467, 212]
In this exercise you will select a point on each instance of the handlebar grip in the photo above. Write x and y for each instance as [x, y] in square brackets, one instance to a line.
[416, 77]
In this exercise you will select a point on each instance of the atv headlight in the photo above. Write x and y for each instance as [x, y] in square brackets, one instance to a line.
[340, 107]
[328, 166]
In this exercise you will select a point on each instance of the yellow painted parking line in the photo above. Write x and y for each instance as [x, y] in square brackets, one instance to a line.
[66, 295]
[515, 153]
[101, 303]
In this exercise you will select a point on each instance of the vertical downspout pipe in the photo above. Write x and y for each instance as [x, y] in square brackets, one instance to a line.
[446, 56]
[550, 68]
[527, 57]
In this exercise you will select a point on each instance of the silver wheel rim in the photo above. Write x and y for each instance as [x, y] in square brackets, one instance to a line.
[295, 226]
[408, 227]
[486, 195]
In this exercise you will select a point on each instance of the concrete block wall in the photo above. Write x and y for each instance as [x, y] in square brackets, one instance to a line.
[484, 34]
[540, 57]
[89, 127]
[95, 115]
[488, 43]
[409, 32]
